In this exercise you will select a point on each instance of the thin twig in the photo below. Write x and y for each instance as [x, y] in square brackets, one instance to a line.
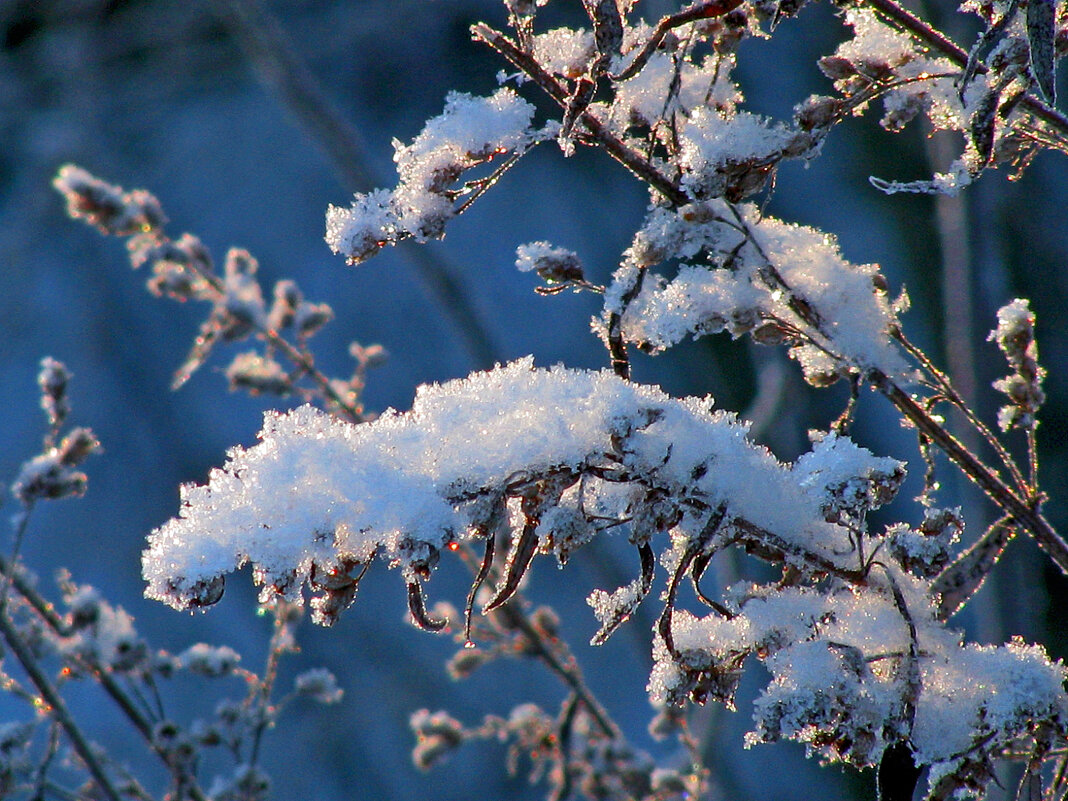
[630, 158]
[959, 56]
[945, 385]
[1026, 516]
[705, 10]
[57, 708]
[555, 654]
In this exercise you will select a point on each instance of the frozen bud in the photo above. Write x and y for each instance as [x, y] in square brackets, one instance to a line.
[165, 733]
[554, 265]
[369, 355]
[837, 67]
[875, 69]
[76, 446]
[771, 334]
[310, 317]
[363, 229]
[258, 374]
[436, 724]
[197, 595]
[106, 206]
[320, 685]
[130, 653]
[164, 664]
[699, 212]
[668, 722]
[546, 621]
[84, 605]
[287, 297]
[178, 268]
[437, 734]
[667, 784]
[418, 557]
[230, 712]
[53, 380]
[817, 112]
[240, 262]
[564, 530]
[942, 523]
[1015, 336]
[901, 110]
[207, 660]
[46, 477]
[466, 661]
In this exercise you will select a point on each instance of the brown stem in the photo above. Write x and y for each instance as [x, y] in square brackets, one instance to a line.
[951, 50]
[554, 654]
[630, 158]
[1026, 516]
[710, 8]
[564, 667]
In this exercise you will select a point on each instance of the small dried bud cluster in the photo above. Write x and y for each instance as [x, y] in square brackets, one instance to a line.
[926, 550]
[54, 473]
[182, 269]
[105, 206]
[1015, 335]
[179, 268]
[558, 267]
[437, 735]
[318, 684]
[53, 380]
[211, 661]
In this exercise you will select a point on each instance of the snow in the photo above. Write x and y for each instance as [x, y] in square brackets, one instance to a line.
[469, 132]
[317, 491]
[838, 679]
[737, 296]
[711, 142]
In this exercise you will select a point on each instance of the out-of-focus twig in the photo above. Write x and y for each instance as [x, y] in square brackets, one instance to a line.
[278, 66]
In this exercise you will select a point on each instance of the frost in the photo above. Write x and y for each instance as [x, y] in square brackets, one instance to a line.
[647, 97]
[318, 684]
[208, 660]
[840, 679]
[566, 52]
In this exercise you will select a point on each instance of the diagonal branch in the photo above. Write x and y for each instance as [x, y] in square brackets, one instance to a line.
[630, 158]
[959, 56]
[1028, 517]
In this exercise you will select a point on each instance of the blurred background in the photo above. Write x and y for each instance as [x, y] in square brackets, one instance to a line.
[178, 98]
